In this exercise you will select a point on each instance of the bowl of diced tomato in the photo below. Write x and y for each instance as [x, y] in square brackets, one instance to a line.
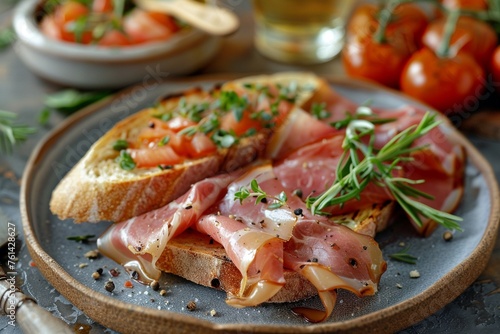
[96, 44]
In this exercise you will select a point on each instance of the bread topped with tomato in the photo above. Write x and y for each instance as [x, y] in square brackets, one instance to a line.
[153, 156]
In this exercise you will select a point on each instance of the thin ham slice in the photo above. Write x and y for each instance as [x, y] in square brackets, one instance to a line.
[257, 255]
[137, 243]
[332, 257]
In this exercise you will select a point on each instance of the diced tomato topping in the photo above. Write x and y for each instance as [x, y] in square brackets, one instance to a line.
[179, 143]
[154, 157]
[142, 27]
[102, 6]
[65, 16]
[179, 123]
[230, 123]
[114, 38]
[201, 145]
[153, 133]
[164, 20]
[50, 28]
[69, 12]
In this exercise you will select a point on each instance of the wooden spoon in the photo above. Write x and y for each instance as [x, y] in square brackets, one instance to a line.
[211, 19]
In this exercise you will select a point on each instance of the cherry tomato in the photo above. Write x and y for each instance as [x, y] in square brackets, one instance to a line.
[466, 4]
[442, 82]
[367, 59]
[404, 31]
[382, 61]
[495, 67]
[471, 36]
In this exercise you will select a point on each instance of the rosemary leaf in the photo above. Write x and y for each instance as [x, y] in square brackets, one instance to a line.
[403, 256]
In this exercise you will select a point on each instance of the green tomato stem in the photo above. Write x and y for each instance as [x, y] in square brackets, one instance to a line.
[449, 28]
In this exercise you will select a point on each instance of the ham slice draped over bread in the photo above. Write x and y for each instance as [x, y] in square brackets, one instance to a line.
[267, 238]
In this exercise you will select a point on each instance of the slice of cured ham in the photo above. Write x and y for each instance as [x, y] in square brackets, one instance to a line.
[331, 257]
[137, 243]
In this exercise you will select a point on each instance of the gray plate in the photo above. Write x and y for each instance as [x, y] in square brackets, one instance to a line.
[400, 302]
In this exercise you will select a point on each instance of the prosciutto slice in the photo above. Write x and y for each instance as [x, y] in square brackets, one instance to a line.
[256, 254]
[331, 257]
[137, 243]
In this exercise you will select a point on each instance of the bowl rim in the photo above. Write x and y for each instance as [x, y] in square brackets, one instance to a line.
[28, 33]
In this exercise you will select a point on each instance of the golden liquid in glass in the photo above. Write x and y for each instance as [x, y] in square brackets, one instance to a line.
[300, 31]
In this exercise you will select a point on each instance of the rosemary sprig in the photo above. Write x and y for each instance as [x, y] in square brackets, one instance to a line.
[403, 256]
[361, 164]
[11, 133]
[362, 112]
[260, 195]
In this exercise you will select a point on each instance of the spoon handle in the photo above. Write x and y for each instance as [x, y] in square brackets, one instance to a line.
[211, 19]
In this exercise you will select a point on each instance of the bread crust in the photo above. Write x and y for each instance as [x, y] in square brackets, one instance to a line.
[198, 258]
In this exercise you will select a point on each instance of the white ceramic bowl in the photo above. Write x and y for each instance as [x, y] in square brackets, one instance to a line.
[94, 67]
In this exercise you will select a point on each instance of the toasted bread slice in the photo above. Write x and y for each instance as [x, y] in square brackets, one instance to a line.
[198, 258]
[97, 189]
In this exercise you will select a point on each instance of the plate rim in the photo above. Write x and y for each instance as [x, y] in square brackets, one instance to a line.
[111, 312]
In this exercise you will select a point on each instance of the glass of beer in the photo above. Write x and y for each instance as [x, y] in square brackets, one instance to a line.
[300, 31]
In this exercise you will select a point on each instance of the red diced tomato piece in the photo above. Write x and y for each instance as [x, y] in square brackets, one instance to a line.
[154, 157]
[201, 145]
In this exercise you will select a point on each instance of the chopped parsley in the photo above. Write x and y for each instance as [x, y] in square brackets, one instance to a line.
[120, 144]
[319, 111]
[125, 161]
[164, 141]
[230, 101]
[224, 138]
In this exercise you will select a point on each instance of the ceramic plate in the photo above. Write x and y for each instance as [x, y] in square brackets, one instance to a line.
[446, 268]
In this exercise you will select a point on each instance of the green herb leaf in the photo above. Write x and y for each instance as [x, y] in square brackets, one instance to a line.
[44, 116]
[164, 141]
[120, 144]
[224, 138]
[241, 194]
[403, 256]
[125, 161]
[230, 101]
[10, 132]
[319, 112]
[70, 100]
[7, 36]
[165, 117]
[81, 238]
[260, 196]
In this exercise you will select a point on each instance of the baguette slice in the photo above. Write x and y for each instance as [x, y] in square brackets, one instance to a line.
[197, 258]
[97, 189]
